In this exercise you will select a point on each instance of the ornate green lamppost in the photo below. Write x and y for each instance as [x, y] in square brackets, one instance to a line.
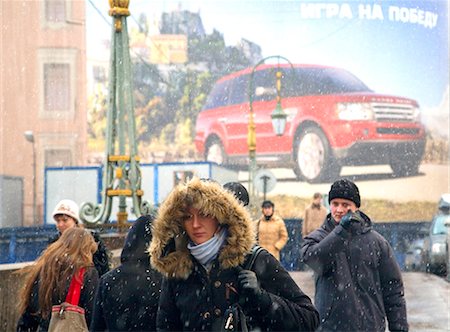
[121, 170]
[278, 120]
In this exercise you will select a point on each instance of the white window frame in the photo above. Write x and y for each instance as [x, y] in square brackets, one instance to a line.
[56, 25]
[57, 56]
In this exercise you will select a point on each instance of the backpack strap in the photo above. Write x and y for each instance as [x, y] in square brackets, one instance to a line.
[73, 295]
[250, 260]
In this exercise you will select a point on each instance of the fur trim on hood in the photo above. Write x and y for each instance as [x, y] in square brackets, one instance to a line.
[168, 250]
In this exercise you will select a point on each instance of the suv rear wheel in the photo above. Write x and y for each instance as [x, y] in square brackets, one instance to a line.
[314, 161]
[215, 152]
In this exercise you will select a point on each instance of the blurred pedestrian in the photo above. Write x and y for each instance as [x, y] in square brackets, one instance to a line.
[127, 297]
[49, 277]
[66, 216]
[315, 215]
[271, 230]
[202, 240]
[358, 280]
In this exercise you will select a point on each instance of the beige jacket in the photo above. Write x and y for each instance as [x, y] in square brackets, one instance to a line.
[313, 219]
[272, 235]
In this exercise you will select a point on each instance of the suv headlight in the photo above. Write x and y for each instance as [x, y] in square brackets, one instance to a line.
[354, 111]
[438, 248]
[416, 114]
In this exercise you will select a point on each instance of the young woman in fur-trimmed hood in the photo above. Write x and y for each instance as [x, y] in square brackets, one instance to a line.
[202, 237]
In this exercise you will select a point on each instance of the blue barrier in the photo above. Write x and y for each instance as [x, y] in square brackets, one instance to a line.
[22, 244]
[399, 234]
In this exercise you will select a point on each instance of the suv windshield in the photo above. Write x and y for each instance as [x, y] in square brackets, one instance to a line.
[308, 81]
[439, 224]
[321, 81]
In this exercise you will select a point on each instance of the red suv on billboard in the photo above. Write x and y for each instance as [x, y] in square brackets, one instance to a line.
[333, 119]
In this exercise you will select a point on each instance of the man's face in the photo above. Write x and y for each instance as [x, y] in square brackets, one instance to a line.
[317, 200]
[199, 227]
[64, 222]
[340, 206]
[267, 210]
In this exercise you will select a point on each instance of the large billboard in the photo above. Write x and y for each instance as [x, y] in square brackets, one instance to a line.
[396, 48]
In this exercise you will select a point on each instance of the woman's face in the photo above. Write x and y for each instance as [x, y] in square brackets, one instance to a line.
[64, 222]
[200, 228]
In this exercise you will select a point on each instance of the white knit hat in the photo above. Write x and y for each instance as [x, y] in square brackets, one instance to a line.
[67, 207]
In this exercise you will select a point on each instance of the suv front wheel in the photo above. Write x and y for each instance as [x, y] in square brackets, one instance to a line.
[314, 161]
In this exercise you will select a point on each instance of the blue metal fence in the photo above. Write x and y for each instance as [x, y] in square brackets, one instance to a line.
[398, 234]
[21, 244]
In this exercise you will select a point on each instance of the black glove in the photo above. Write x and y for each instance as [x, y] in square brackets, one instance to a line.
[349, 218]
[251, 293]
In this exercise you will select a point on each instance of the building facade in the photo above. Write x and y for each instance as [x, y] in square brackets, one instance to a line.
[43, 94]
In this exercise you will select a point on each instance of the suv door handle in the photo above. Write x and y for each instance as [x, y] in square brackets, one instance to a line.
[222, 120]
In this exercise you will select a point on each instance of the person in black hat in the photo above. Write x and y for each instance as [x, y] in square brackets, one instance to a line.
[239, 192]
[271, 230]
[358, 280]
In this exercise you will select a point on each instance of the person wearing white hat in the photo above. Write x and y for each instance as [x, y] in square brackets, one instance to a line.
[66, 215]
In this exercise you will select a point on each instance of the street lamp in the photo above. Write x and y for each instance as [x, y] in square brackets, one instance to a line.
[278, 121]
[121, 171]
[29, 136]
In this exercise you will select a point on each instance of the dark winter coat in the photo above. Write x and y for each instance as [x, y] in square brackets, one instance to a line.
[127, 297]
[31, 320]
[100, 257]
[358, 280]
[194, 299]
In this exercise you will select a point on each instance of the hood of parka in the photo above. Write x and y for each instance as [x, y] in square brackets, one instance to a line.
[168, 249]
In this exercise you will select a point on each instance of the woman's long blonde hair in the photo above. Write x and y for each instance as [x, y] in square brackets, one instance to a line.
[56, 266]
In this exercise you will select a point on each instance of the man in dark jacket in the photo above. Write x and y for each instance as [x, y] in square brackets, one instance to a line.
[127, 297]
[358, 280]
[202, 238]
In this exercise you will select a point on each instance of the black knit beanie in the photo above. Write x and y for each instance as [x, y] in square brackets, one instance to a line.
[345, 189]
[239, 192]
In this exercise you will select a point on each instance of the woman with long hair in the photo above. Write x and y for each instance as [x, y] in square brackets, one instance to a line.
[49, 278]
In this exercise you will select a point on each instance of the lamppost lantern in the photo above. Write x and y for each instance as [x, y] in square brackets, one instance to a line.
[279, 120]
[278, 116]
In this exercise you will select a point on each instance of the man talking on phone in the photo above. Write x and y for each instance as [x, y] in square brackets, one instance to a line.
[358, 281]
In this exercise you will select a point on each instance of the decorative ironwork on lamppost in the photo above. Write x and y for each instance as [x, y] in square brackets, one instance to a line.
[121, 170]
[278, 120]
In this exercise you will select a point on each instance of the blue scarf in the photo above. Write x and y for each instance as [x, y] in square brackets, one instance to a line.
[206, 252]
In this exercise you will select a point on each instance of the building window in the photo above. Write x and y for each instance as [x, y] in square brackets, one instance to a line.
[58, 158]
[99, 73]
[56, 86]
[57, 81]
[55, 14]
[55, 11]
